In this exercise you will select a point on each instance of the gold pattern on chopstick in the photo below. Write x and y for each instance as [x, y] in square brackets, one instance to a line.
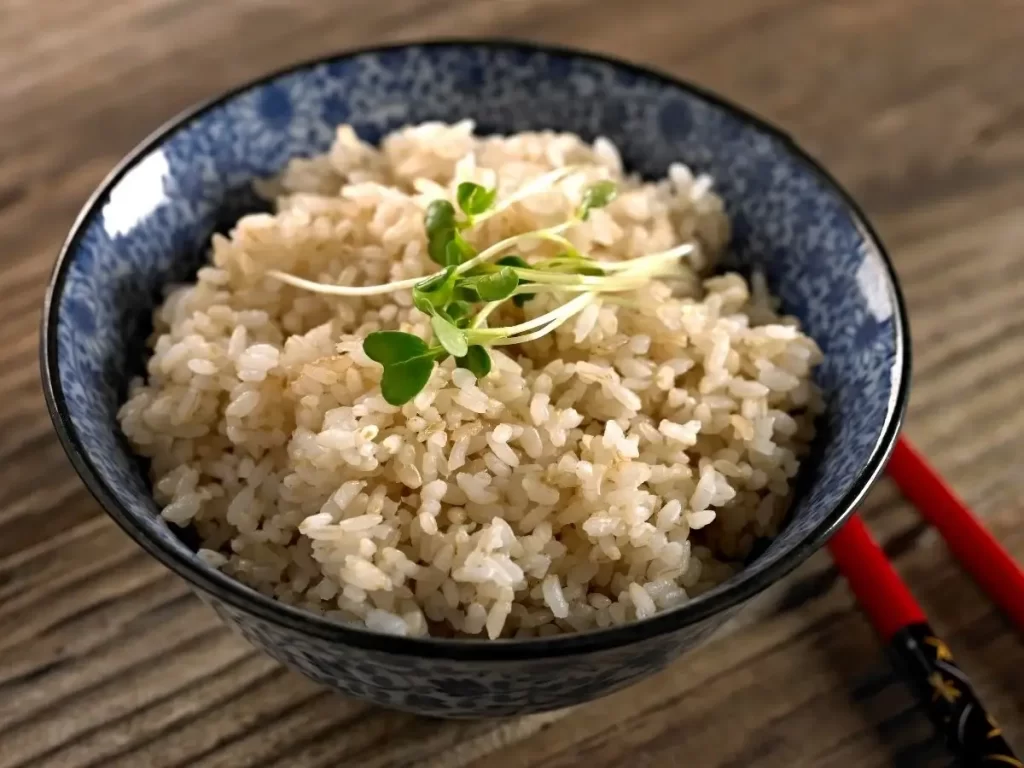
[1003, 759]
[996, 730]
[942, 652]
[943, 688]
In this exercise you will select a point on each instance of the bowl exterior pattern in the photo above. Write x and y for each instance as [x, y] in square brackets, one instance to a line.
[467, 689]
[150, 225]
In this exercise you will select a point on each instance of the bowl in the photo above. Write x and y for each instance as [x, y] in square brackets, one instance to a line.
[148, 225]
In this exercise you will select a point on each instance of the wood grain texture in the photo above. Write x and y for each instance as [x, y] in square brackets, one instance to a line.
[106, 661]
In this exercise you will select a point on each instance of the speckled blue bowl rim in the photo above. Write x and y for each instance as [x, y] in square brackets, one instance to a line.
[246, 599]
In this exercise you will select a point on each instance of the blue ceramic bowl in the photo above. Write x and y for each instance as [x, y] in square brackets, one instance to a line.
[149, 222]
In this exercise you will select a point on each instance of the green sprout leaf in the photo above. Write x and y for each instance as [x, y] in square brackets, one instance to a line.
[466, 293]
[407, 363]
[517, 262]
[473, 199]
[458, 311]
[457, 250]
[597, 195]
[439, 221]
[437, 247]
[476, 360]
[440, 216]
[452, 254]
[391, 347]
[468, 251]
[496, 286]
[448, 336]
[403, 381]
[512, 260]
[434, 293]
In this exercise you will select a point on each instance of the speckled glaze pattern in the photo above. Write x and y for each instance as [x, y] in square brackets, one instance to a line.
[469, 688]
[148, 227]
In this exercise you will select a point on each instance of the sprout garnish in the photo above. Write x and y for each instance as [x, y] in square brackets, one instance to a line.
[453, 296]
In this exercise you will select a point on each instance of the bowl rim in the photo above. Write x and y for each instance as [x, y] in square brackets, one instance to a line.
[249, 601]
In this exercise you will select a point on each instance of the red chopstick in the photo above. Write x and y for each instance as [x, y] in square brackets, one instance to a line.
[984, 557]
[942, 687]
[879, 589]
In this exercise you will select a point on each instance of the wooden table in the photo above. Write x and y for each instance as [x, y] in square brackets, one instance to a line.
[106, 660]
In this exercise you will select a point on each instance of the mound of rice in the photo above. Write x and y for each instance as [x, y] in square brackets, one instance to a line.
[615, 468]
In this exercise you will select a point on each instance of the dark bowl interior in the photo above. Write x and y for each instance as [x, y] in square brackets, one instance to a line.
[149, 224]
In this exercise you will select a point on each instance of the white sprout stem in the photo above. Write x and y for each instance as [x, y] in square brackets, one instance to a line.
[566, 310]
[530, 188]
[346, 290]
[481, 316]
[645, 266]
[503, 245]
[554, 237]
[653, 258]
[649, 262]
[591, 282]
[546, 329]
[525, 337]
[402, 285]
[559, 278]
[618, 286]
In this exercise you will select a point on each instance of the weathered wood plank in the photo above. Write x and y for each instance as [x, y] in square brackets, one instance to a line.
[107, 661]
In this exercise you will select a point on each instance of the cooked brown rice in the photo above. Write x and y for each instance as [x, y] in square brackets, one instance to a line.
[617, 467]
